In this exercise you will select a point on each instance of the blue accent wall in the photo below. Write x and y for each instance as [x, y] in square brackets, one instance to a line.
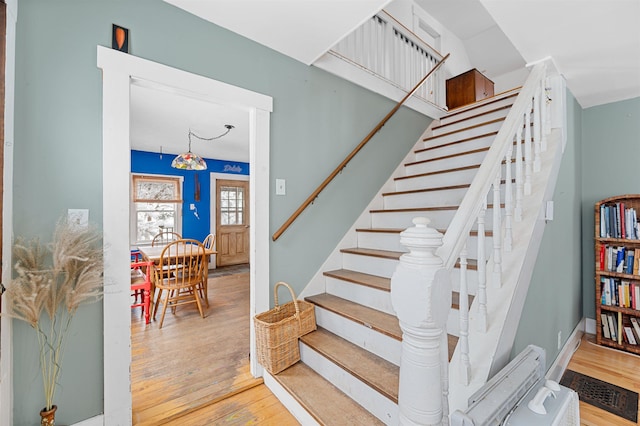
[193, 226]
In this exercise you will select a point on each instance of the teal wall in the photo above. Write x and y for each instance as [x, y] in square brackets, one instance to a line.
[611, 152]
[554, 300]
[317, 120]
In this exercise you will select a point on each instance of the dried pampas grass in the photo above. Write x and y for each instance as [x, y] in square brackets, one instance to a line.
[55, 278]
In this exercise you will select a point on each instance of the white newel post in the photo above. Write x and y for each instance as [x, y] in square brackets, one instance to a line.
[421, 297]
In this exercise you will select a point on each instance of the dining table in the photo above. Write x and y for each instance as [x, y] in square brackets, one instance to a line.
[153, 254]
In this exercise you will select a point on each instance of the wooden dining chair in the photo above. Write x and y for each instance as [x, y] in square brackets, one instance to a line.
[186, 258]
[164, 237]
[141, 285]
[209, 243]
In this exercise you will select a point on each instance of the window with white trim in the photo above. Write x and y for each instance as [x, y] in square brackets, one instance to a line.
[156, 206]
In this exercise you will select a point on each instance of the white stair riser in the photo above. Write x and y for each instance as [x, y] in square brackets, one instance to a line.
[453, 322]
[472, 280]
[463, 134]
[474, 111]
[440, 219]
[458, 177]
[377, 343]
[445, 163]
[380, 240]
[373, 401]
[440, 150]
[367, 296]
[289, 402]
[471, 121]
[369, 265]
[444, 197]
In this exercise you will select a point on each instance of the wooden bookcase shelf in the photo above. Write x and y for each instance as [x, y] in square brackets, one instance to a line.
[617, 276]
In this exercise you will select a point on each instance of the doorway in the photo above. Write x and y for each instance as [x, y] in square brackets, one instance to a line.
[118, 70]
[232, 222]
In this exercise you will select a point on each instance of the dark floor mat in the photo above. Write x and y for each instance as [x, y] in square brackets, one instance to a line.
[614, 399]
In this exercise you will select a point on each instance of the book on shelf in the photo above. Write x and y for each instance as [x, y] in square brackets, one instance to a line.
[621, 218]
[612, 326]
[605, 326]
[628, 264]
[635, 325]
[620, 259]
[630, 337]
[636, 261]
[619, 330]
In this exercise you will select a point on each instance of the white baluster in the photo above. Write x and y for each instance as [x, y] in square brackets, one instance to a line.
[528, 153]
[543, 115]
[519, 176]
[421, 296]
[463, 312]
[444, 377]
[508, 202]
[537, 160]
[497, 234]
[481, 323]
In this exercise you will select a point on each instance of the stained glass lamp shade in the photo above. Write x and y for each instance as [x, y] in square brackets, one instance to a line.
[188, 160]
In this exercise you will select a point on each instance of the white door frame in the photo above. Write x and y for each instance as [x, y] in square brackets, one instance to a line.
[6, 337]
[118, 70]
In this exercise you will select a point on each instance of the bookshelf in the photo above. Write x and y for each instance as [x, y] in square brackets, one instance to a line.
[617, 272]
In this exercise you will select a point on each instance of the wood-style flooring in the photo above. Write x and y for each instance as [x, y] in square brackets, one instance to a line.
[195, 371]
[611, 366]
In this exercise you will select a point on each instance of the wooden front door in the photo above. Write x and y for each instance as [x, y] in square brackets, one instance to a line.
[232, 222]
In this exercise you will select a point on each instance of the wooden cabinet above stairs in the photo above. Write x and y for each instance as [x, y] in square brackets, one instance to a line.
[467, 88]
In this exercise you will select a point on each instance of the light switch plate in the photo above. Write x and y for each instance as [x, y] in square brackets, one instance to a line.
[281, 188]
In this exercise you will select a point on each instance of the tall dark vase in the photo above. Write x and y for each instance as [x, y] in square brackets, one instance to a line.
[48, 418]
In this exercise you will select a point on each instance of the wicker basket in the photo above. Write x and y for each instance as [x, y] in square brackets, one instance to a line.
[278, 330]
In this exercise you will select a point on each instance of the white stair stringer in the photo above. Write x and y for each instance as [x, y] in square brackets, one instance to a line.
[488, 351]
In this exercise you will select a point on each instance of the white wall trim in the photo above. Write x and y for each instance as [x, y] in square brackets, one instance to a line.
[118, 70]
[6, 337]
[93, 421]
[558, 367]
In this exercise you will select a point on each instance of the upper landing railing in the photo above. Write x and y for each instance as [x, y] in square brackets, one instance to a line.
[353, 153]
[392, 52]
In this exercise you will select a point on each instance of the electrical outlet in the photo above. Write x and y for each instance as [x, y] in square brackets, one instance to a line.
[559, 339]
[281, 187]
[78, 217]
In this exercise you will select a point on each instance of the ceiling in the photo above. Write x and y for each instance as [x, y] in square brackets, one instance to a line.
[161, 120]
[594, 44]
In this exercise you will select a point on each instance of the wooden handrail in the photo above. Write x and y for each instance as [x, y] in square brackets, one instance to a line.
[353, 153]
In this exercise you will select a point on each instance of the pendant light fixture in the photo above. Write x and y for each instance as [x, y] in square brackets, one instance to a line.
[191, 161]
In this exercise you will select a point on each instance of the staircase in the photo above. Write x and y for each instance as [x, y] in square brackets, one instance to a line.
[349, 368]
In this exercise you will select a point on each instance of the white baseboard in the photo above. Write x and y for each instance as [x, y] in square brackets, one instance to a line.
[558, 367]
[93, 421]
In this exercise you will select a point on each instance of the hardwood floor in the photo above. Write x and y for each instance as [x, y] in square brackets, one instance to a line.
[195, 371]
[609, 365]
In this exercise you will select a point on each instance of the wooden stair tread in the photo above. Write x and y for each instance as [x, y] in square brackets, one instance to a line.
[325, 402]
[446, 157]
[376, 372]
[437, 172]
[456, 142]
[471, 117]
[473, 232]
[455, 300]
[381, 230]
[453, 132]
[386, 254]
[374, 281]
[484, 102]
[423, 190]
[371, 318]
